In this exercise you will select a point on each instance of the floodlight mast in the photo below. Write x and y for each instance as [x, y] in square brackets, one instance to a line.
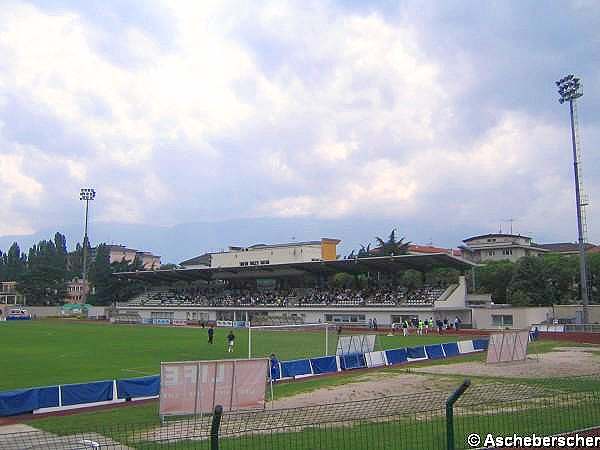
[570, 89]
[85, 195]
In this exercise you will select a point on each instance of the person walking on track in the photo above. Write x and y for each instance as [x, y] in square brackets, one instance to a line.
[230, 341]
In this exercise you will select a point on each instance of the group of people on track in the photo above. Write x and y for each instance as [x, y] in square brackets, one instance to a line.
[423, 326]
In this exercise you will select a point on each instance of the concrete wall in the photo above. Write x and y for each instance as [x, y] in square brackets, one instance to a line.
[572, 312]
[384, 316]
[274, 255]
[455, 296]
[522, 317]
[40, 312]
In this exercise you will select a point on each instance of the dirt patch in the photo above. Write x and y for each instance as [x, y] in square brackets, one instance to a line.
[577, 349]
[568, 361]
[372, 386]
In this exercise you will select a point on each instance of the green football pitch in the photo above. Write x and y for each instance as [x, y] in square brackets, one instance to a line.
[48, 352]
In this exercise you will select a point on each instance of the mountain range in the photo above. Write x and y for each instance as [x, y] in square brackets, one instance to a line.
[179, 242]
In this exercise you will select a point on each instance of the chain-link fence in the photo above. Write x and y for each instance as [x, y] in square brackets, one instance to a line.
[412, 421]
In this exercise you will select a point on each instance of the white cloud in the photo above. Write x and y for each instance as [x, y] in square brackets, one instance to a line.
[275, 108]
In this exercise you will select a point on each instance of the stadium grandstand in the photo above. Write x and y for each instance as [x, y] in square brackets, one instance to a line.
[349, 291]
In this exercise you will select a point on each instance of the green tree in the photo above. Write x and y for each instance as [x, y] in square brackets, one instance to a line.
[559, 273]
[529, 284]
[494, 278]
[43, 283]
[412, 279]
[342, 280]
[594, 271]
[99, 275]
[108, 288]
[392, 246]
[442, 276]
[15, 263]
[75, 262]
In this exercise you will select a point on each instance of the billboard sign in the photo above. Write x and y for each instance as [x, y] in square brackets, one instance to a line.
[508, 346]
[196, 387]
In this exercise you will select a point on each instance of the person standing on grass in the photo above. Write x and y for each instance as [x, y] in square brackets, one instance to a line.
[211, 334]
[405, 328]
[420, 329]
[230, 341]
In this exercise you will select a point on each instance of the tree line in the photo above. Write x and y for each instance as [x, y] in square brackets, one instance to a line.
[537, 280]
[43, 272]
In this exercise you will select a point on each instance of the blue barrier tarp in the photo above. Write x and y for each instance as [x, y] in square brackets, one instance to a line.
[295, 368]
[138, 387]
[48, 397]
[416, 352]
[325, 364]
[18, 402]
[353, 361]
[434, 351]
[480, 344]
[75, 394]
[451, 349]
[396, 356]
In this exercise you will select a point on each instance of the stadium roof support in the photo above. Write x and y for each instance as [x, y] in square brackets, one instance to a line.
[398, 263]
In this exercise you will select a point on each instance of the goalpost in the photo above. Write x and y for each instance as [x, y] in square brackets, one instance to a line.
[291, 327]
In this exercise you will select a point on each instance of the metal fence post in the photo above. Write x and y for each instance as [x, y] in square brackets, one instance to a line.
[450, 413]
[214, 429]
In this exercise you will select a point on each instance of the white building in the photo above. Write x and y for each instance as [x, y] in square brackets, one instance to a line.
[498, 247]
[263, 254]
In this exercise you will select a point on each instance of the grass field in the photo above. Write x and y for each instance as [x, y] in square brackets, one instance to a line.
[47, 352]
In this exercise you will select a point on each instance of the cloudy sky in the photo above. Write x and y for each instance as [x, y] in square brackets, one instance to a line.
[418, 112]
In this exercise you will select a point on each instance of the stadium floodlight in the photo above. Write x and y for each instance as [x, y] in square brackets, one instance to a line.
[86, 195]
[570, 89]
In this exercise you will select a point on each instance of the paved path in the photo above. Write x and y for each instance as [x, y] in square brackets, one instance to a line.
[24, 437]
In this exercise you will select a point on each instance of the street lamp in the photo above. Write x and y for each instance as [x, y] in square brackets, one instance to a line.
[86, 195]
[570, 89]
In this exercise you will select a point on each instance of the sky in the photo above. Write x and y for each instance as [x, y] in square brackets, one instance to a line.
[441, 116]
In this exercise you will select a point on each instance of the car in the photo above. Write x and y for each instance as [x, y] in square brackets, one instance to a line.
[18, 314]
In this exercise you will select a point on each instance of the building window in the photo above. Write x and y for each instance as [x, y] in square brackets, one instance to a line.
[502, 320]
[345, 318]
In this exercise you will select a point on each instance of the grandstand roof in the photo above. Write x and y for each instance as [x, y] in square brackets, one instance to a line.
[422, 262]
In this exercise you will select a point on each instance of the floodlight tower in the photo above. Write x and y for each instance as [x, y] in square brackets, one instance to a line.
[570, 89]
[86, 195]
